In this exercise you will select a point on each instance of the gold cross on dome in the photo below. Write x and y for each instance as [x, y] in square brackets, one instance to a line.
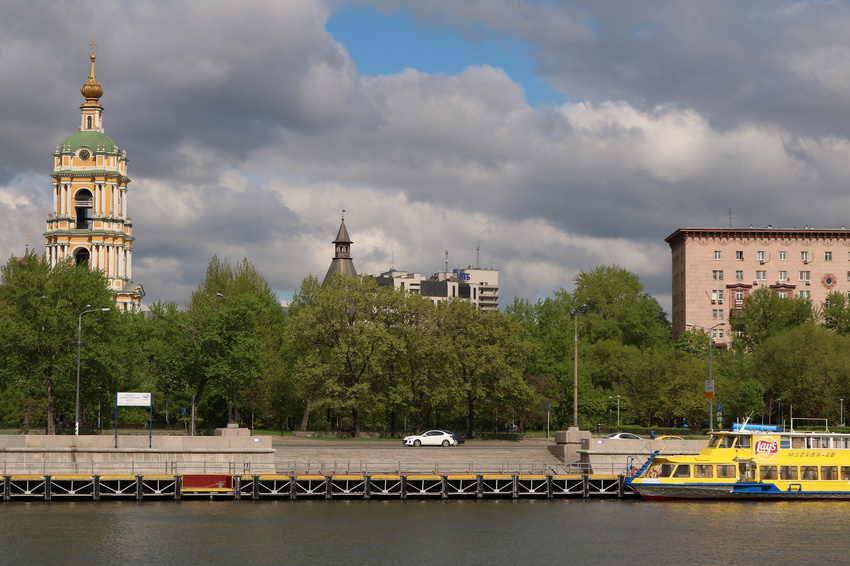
[92, 45]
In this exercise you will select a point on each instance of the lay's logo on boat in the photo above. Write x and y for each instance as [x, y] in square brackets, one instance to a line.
[766, 447]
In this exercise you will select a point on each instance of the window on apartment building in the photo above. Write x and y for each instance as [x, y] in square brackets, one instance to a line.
[804, 257]
[761, 275]
[827, 256]
[739, 255]
[717, 275]
[717, 314]
[848, 295]
[739, 275]
[783, 294]
[717, 296]
[804, 294]
[848, 276]
[783, 256]
[717, 334]
[718, 255]
[760, 255]
[805, 276]
[783, 276]
[739, 296]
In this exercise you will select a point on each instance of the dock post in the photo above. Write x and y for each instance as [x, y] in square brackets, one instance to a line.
[139, 488]
[178, 487]
[514, 482]
[96, 488]
[48, 487]
[585, 486]
[237, 487]
[549, 488]
[7, 488]
[367, 491]
[255, 488]
[479, 490]
[403, 486]
[293, 488]
[444, 481]
[620, 484]
[328, 487]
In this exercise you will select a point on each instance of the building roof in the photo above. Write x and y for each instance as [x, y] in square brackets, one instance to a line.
[769, 232]
[92, 139]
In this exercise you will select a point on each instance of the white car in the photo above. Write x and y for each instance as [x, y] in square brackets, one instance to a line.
[431, 438]
[625, 435]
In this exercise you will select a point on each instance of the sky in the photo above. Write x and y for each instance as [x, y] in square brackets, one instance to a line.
[556, 135]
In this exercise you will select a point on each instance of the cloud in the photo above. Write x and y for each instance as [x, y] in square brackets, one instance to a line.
[249, 129]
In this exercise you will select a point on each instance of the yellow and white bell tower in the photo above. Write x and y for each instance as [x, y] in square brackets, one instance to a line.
[89, 222]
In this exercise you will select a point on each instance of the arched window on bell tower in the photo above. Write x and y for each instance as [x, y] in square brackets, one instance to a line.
[88, 122]
[83, 209]
[81, 256]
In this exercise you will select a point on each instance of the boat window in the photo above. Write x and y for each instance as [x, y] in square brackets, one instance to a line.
[784, 442]
[725, 471]
[727, 442]
[798, 442]
[703, 471]
[788, 472]
[767, 472]
[743, 442]
[714, 442]
[840, 442]
[683, 471]
[845, 473]
[809, 472]
[818, 442]
[829, 472]
[666, 470]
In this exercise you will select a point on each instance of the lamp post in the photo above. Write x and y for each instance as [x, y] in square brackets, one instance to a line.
[842, 412]
[575, 369]
[79, 342]
[710, 374]
[618, 411]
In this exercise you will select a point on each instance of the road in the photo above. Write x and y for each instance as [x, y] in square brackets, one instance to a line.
[309, 455]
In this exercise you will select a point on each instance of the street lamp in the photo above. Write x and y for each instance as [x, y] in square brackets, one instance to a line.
[575, 369]
[79, 342]
[710, 375]
[618, 411]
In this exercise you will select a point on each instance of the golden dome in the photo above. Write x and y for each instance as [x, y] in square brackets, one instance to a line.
[92, 89]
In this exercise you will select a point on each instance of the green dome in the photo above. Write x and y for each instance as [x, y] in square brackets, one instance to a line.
[93, 140]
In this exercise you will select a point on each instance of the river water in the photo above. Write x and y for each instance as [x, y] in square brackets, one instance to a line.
[424, 532]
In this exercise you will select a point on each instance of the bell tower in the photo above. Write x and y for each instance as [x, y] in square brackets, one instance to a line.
[89, 221]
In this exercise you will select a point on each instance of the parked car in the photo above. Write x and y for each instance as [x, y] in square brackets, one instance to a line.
[431, 438]
[459, 438]
[624, 435]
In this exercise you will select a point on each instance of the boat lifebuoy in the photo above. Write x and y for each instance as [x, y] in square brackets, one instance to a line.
[652, 474]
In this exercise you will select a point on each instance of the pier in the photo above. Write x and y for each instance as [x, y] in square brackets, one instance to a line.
[33, 487]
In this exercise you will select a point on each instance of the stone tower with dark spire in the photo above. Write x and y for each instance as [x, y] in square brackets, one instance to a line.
[342, 262]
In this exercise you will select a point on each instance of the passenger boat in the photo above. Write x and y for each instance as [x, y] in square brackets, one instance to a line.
[753, 462]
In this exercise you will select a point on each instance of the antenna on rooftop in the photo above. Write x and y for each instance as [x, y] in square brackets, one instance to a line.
[447, 261]
[478, 256]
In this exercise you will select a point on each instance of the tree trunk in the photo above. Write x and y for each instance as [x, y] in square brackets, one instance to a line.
[51, 417]
[470, 418]
[355, 422]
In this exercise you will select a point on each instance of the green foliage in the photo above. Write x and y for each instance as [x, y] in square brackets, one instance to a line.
[766, 314]
[40, 311]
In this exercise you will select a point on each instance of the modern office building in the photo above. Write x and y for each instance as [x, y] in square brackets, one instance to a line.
[715, 269]
[481, 286]
[89, 221]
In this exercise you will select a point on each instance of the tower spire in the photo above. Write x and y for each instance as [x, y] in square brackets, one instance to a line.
[92, 90]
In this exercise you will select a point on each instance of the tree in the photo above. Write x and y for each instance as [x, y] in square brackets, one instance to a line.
[345, 340]
[40, 310]
[233, 324]
[766, 314]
